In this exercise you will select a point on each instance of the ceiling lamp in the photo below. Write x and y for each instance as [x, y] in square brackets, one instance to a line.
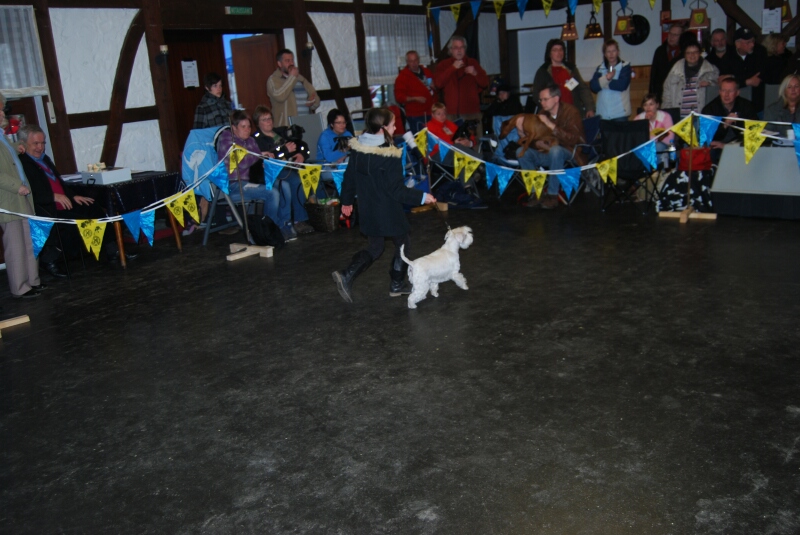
[698, 20]
[786, 12]
[593, 29]
[624, 24]
[569, 32]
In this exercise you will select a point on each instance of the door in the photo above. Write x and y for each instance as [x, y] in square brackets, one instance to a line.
[253, 64]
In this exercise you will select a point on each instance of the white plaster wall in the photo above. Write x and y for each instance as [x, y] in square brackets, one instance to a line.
[376, 1]
[411, 2]
[288, 40]
[338, 31]
[447, 25]
[353, 103]
[140, 147]
[88, 144]
[140, 89]
[318, 76]
[489, 43]
[88, 44]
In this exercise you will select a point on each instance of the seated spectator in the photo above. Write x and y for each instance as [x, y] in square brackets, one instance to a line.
[728, 104]
[54, 198]
[504, 106]
[560, 72]
[329, 149]
[660, 123]
[439, 126]
[566, 124]
[239, 133]
[777, 59]
[685, 86]
[272, 145]
[785, 109]
[414, 90]
[612, 83]
[214, 109]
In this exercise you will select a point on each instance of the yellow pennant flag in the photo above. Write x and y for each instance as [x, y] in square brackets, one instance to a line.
[752, 138]
[608, 170]
[92, 234]
[470, 165]
[534, 181]
[547, 4]
[498, 7]
[652, 4]
[237, 155]
[456, 9]
[459, 160]
[598, 3]
[310, 178]
[190, 205]
[683, 129]
[421, 139]
[175, 205]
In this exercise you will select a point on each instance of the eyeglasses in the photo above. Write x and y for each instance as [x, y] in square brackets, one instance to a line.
[339, 122]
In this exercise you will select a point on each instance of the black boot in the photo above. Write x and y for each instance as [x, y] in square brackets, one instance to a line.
[399, 286]
[53, 269]
[344, 279]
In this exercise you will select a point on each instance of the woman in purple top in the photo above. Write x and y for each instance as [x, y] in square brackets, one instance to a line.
[277, 203]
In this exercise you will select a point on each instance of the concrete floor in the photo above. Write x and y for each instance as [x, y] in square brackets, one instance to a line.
[605, 374]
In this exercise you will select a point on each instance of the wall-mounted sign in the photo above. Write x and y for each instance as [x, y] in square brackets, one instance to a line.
[190, 75]
[236, 10]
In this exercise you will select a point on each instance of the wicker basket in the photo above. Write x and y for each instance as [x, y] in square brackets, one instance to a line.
[324, 217]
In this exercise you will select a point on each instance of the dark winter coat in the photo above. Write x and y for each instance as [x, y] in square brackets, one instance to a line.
[375, 174]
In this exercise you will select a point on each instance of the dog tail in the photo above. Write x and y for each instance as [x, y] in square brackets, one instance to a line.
[406, 260]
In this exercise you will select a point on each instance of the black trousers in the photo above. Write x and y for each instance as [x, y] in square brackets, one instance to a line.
[376, 245]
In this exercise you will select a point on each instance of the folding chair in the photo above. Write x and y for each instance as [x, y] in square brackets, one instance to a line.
[220, 198]
[618, 138]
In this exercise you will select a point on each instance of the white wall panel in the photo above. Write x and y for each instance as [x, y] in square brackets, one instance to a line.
[88, 43]
[140, 147]
[447, 25]
[140, 89]
[353, 103]
[338, 31]
[88, 144]
[489, 43]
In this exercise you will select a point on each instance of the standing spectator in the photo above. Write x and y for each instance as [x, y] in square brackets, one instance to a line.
[556, 70]
[663, 58]
[15, 196]
[731, 106]
[461, 79]
[685, 86]
[414, 89]
[328, 148]
[749, 62]
[721, 54]
[777, 59]
[281, 87]
[612, 83]
[214, 109]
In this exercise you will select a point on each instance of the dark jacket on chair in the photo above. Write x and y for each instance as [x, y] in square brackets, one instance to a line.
[375, 174]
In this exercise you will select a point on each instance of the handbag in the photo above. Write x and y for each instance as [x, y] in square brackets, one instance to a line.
[701, 159]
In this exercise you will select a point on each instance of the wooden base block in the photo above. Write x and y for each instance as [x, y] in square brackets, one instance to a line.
[442, 206]
[241, 250]
[423, 208]
[687, 214]
[19, 320]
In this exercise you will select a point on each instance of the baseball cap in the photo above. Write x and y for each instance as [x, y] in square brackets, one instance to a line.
[744, 34]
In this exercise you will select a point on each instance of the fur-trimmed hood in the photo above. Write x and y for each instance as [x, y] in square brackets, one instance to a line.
[391, 152]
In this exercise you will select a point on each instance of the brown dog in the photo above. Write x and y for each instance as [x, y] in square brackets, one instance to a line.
[535, 130]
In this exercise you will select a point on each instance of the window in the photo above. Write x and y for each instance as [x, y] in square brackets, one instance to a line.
[388, 38]
[21, 65]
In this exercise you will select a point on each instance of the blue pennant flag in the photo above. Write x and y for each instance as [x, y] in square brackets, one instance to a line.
[435, 14]
[444, 150]
[133, 220]
[624, 4]
[432, 141]
[219, 177]
[503, 178]
[338, 178]
[271, 171]
[573, 5]
[521, 4]
[570, 179]
[476, 7]
[146, 223]
[647, 153]
[706, 129]
[796, 128]
[404, 157]
[430, 41]
[491, 174]
[40, 230]
[684, 3]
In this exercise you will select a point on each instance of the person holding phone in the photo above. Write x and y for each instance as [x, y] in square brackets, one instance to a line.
[612, 83]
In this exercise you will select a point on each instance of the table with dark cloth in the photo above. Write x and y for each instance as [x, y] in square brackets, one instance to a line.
[144, 189]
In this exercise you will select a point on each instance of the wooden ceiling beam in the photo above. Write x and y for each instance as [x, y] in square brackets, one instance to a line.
[737, 13]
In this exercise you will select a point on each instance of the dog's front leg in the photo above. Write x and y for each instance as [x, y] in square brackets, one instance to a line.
[435, 289]
[461, 281]
[416, 296]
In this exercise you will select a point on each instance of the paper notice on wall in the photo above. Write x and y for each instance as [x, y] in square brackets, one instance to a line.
[771, 21]
[190, 76]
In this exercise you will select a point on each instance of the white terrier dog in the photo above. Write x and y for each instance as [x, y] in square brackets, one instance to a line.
[425, 273]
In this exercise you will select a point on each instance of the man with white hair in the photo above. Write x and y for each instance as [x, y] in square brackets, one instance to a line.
[461, 79]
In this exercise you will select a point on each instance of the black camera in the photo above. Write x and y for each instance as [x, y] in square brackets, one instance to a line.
[294, 134]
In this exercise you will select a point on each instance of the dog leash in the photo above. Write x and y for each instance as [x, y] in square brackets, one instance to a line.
[441, 215]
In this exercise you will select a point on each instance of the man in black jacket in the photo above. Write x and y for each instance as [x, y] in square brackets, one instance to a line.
[748, 61]
[728, 104]
[721, 54]
[54, 198]
[663, 59]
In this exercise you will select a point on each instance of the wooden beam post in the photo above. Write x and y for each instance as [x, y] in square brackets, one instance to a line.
[737, 13]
